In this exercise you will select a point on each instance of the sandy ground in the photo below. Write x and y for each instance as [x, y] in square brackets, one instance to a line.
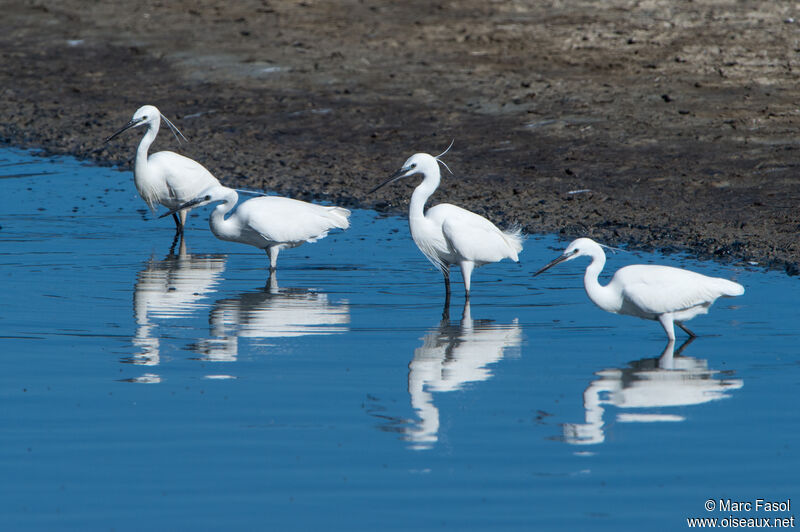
[659, 124]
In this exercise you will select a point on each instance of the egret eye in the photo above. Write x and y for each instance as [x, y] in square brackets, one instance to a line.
[208, 198]
[144, 117]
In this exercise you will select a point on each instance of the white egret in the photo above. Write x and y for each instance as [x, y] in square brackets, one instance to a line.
[663, 293]
[270, 223]
[165, 177]
[447, 234]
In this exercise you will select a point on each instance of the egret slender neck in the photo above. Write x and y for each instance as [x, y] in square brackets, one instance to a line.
[225, 229]
[602, 296]
[147, 140]
[432, 177]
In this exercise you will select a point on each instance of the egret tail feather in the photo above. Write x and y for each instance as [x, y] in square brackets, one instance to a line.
[514, 237]
[340, 215]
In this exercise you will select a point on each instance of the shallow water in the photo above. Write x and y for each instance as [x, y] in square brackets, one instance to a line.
[181, 389]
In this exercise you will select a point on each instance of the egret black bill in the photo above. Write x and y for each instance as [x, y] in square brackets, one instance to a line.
[558, 260]
[186, 205]
[400, 174]
[133, 123]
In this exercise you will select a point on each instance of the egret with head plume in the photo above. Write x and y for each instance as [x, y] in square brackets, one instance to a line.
[165, 178]
[661, 293]
[447, 234]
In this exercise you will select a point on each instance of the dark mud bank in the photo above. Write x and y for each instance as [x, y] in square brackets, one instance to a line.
[629, 126]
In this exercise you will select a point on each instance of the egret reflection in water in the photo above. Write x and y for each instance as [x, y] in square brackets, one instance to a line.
[669, 381]
[452, 355]
[173, 287]
[270, 312]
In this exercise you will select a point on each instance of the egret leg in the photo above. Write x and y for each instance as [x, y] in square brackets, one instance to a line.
[466, 274]
[178, 224]
[685, 345]
[666, 322]
[183, 215]
[686, 329]
[446, 311]
[272, 253]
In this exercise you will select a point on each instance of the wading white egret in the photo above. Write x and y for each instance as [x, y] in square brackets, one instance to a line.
[270, 223]
[447, 234]
[662, 293]
[165, 178]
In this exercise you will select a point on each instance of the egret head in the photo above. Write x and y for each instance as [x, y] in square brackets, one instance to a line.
[148, 114]
[210, 195]
[419, 163]
[580, 247]
[145, 114]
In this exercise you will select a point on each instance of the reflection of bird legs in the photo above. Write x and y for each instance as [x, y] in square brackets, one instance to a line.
[272, 283]
[466, 317]
[685, 344]
[666, 361]
[175, 240]
[181, 248]
[446, 311]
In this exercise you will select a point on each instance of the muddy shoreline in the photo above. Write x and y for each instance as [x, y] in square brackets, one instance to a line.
[656, 124]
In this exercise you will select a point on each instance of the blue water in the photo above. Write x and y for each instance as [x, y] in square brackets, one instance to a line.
[149, 388]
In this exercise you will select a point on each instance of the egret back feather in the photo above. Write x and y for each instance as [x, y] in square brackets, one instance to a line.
[661, 289]
[472, 237]
[268, 216]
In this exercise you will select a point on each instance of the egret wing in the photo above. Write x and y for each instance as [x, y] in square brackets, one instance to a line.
[287, 220]
[661, 289]
[473, 237]
[185, 178]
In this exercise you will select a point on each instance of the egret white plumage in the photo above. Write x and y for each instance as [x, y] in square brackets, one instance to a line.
[662, 293]
[165, 178]
[447, 234]
[271, 223]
